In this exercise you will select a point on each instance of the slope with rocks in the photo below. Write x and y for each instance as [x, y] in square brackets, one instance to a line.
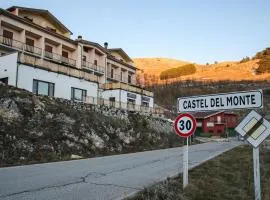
[43, 129]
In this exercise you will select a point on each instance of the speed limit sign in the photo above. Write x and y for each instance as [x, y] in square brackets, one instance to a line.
[185, 125]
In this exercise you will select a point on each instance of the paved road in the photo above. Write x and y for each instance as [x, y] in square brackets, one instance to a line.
[111, 177]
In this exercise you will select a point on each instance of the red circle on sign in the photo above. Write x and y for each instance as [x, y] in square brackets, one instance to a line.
[191, 131]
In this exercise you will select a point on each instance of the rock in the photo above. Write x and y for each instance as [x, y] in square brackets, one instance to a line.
[73, 156]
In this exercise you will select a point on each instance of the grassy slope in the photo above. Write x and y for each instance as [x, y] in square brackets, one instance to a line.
[227, 177]
[157, 65]
[221, 71]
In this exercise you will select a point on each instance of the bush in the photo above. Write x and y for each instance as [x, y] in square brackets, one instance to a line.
[178, 71]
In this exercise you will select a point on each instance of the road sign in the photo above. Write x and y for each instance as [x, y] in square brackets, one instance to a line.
[185, 125]
[254, 128]
[223, 101]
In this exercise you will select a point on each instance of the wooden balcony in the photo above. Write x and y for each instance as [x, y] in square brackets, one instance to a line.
[99, 70]
[20, 46]
[59, 58]
[55, 67]
[124, 86]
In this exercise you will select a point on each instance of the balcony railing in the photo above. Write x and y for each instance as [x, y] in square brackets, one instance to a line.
[11, 43]
[124, 86]
[57, 68]
[115, 77]
[20, 46]
[59, 58]
[93, 67]
[33, 49]
[124, 106]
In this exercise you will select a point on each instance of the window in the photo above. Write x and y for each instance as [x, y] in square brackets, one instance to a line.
[7, 37]
[4, 80]
[95, 62]
[84, 58]
[78, 94]
[65, 54]
[112, 101]
[29, 45]
[43, 88]
[85, 49]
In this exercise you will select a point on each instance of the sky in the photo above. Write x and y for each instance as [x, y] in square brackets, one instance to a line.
[199, 31]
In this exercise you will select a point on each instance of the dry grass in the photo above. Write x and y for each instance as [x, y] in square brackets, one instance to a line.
[227, 177]
[228, 70]
[157, 65]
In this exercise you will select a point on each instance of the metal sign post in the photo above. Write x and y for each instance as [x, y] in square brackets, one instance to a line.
[185, 126]
[255, 129]
[185, 165]
[256, 169]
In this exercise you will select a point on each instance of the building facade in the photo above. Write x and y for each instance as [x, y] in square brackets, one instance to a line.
[38, 54]
[215, 122]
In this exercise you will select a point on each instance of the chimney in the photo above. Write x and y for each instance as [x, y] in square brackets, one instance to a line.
[106, 45]
[79, 37]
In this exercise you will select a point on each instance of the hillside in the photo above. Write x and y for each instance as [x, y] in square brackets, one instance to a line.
[37, 129]
[155, 66]
[229, 70]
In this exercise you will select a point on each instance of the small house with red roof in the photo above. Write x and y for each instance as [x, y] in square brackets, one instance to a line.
[215, 122]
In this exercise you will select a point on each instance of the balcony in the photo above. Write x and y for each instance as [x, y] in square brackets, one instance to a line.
[17, 45]
[99, 70]
[32, 49]
[59, 58]
[57, 68]
[124, 86]
[114, 77]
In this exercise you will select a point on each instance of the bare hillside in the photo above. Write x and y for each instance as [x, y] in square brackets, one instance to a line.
[229, 70]
[155, 66]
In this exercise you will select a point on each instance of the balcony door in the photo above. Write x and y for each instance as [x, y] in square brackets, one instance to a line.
[7, 37]
[29, 45]
[65, 56]
[48, 51]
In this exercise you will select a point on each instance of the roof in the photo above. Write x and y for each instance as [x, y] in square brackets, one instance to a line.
[42, 12]
[121, 52]
[91, 43]
[121, 62]
[204, 115]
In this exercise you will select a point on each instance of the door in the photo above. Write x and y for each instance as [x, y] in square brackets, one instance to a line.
[7, 37]
[29, 45]
[65, 56]
[48, 51]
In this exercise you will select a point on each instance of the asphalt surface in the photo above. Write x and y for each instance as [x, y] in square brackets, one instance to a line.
[110, 177]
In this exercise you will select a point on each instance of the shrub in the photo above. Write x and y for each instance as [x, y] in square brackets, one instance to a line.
[178, 71]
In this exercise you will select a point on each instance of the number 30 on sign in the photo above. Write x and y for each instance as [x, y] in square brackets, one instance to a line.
[185, 125]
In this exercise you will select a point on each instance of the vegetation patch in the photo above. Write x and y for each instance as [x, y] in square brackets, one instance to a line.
[227, 177]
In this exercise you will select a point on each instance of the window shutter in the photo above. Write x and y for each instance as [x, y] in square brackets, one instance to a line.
[35, 86]
[72, 93]
[84, 95]
[51, 89]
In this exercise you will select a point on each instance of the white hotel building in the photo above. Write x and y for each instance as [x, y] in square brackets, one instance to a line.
[37, 54]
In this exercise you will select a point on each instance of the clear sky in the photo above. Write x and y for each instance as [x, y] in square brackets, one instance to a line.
[199, 30]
